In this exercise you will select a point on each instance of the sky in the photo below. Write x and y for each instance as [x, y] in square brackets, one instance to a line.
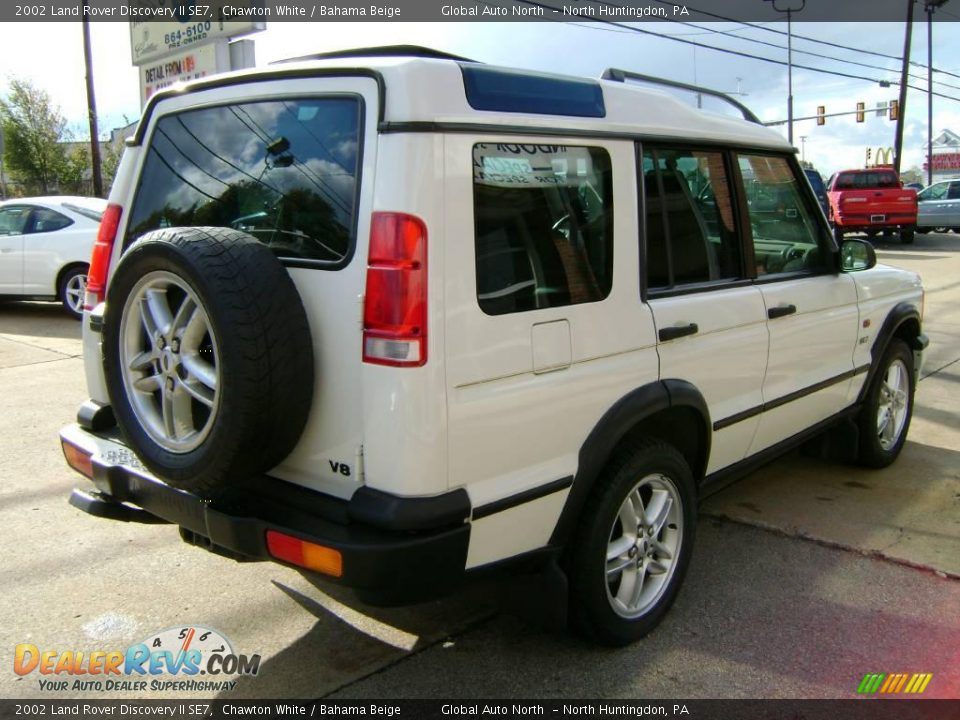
[51, 56]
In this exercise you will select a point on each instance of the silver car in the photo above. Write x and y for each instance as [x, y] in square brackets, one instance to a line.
[939, 207]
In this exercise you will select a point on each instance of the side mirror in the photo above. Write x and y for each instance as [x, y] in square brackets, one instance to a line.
[856, 255]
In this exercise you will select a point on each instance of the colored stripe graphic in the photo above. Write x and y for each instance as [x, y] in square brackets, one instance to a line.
[894, 683]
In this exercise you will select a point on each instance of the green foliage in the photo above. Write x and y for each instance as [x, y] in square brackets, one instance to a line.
[34, 129]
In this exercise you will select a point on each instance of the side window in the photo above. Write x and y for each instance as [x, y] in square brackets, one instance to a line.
[934, 192]
[46, 220]
[785, 233]
[284, 171]
[543, 225]
[954, 192]
[13, 220]
[691, 233]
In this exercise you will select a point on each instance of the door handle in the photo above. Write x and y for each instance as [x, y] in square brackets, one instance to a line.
[672, 333]
[780, 311]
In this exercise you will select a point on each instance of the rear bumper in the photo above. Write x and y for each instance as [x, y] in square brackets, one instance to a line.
[394, 550]
[872, 221]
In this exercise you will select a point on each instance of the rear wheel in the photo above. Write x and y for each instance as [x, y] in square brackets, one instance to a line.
[906, 236]
[631, 551]
[885, 417]
[73, 285]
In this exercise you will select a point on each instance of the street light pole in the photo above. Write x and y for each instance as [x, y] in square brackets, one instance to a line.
[789, 11]
[930, 6]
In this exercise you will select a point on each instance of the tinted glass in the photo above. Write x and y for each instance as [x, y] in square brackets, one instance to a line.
[874, 179]
[691, 234]
[87, 212]
[785, 234]
[283, 171]
[934, 192]
[13, 220]
[954, 192]
[46, 220]
[544, 226]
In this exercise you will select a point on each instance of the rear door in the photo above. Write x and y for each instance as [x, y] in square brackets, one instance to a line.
[710, 319]
[932, 204]
[13, 221]
[811, 310]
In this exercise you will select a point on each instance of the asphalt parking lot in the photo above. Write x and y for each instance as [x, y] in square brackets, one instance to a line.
[807, 574]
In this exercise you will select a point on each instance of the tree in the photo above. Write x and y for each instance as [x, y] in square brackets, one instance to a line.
[33, 129]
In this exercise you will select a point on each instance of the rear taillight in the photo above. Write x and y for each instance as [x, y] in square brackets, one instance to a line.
[100, 260]
[395, 303]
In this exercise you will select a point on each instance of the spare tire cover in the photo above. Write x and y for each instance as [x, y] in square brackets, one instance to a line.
[207, 357]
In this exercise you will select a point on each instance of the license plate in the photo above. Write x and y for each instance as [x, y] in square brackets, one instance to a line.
[878, 218]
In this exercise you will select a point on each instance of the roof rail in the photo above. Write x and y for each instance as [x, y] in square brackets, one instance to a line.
[624, 75]
[380, 51]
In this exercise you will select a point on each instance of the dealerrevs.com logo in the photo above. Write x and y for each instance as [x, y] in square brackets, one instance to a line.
[192, 658]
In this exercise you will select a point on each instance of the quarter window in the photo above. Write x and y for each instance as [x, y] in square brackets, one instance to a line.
[47, 220]
[544, 226]
[785, 234]
[284, 171]
[690, 230]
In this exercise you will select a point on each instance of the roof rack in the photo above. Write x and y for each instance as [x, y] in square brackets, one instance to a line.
[624, 75]
[380, 51]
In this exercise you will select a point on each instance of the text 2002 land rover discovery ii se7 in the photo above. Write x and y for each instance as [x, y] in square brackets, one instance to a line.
[394, 318]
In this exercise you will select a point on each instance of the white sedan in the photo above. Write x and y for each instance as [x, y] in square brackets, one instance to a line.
[45, 246]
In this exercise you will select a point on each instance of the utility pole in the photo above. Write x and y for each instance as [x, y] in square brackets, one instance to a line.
[91, 107]
[789, 11]
[902, 103]
[930, 6]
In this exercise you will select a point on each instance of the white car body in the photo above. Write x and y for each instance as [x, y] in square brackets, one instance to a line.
[32, 262]
[509, 407]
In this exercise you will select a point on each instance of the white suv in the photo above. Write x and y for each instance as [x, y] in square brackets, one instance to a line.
[397, 317]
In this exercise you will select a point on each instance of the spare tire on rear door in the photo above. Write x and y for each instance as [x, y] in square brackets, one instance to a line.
[207, 357]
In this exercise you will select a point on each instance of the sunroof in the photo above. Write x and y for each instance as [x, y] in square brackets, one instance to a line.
[519, 92]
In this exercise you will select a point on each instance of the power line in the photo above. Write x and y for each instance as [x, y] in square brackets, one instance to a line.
[739, 53]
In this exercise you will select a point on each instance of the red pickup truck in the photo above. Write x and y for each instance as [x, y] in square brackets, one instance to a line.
[872, 200]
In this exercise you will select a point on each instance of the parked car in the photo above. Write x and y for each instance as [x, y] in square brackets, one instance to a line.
[45, 246]
[819, 189]
[871, 201]
[397, 318]
[939, 207]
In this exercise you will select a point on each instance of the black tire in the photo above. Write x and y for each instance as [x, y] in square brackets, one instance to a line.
[876, 452]
[906, 236]
[260, 354]
[72, 281]
[592, 610]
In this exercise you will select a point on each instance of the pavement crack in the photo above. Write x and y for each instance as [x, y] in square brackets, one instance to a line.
[796, 533]
[940, 369]
[43, 362]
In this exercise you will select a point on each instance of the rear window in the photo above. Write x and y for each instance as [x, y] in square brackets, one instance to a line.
[284, 171]
[861, 180]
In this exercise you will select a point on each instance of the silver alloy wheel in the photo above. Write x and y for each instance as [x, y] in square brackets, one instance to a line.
[644, 546]
[73, 292]
[892, 404]
[170, 362]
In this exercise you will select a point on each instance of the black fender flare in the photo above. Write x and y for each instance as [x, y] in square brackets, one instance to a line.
[639, 404]
[900, 313]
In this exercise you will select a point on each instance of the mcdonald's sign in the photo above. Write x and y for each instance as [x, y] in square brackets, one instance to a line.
[882, 156]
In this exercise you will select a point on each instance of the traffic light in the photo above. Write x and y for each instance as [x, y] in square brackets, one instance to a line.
[894, 111]
[868, 157]
[821, 115]
[860, 107]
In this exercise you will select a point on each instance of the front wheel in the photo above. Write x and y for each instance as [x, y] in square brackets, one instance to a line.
[885, 417]
[631, 551]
